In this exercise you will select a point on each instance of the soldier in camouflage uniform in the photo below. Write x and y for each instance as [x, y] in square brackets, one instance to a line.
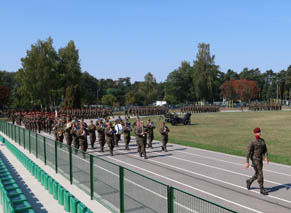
[101, 134]
[82, 138]
[150, 136]
[126, 134]
[109, 136]
[164, 131]
[75, 138]
[256, 150]
[92, 133]
[140, 139]
[68, 134]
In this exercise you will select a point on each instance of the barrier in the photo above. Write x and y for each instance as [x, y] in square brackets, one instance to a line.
[45, 180]
[11, 197]
[117, 188]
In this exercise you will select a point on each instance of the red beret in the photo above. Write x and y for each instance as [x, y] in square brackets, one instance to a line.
[257, 130]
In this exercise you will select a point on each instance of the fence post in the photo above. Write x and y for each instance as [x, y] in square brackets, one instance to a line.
[71, 165]
[24, 138]
[29, 143]
[170, 196]
[44, 150]
[36, 146]
[121, 188]
[56, 157]
[91, 177]
[15, 133]
[19, 135]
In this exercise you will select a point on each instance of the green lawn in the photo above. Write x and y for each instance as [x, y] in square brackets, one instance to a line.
[230, 132]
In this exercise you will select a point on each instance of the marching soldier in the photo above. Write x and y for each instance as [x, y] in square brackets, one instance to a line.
[101, 134]
[126, 134]
[60, 132]
[140, 139]
[164, 130]
[118, 132]
[82, 138]
[256, 150]
[75, 138]
[92, 133]
[68, 134]
[109, 136]
[150, 136]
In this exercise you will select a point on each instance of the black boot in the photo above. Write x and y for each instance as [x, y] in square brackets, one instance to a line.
[263, 191]
[249, 183]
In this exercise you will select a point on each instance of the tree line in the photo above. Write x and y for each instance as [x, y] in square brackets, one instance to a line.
[50, 77]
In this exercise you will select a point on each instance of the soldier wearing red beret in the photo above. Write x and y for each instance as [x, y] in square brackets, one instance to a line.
[256, 150]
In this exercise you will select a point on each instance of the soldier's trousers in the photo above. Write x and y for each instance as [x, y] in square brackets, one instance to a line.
[150, 139]
[76, 143]
[61, 138]
[141, 144]
[83, 145]
[164, 143]
[110, 144]
[92, 139]
[258, 167]
[116, 139]
[126, 141]
[102, 143]
[69, 139]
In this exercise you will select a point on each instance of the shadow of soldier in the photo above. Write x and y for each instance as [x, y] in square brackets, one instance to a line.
[279, 187]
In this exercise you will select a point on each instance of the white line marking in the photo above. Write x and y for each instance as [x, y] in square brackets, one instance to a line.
[191, 187]
[146, 189]
[229, 155]
[239, 164]
[225, 170]
[211, 178]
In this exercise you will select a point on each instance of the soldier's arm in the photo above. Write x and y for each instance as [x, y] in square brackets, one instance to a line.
[249, 152]
[266, 154]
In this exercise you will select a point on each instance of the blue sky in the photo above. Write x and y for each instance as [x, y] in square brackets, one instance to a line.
[128, 38]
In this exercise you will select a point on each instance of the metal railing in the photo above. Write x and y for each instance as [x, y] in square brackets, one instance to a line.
[118, 188]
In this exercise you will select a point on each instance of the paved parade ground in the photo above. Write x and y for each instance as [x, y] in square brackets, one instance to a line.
[218, 177]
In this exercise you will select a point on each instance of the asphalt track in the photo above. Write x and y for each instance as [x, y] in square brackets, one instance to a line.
[218, 177]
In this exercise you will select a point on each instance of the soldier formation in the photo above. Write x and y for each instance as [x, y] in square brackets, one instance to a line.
[199, 109]
[145, 111]
[264, 107]
[76, 132]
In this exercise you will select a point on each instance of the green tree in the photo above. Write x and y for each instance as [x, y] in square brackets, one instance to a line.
[170, 99]
[38, 75]
[73, 98]
[205, 75]
[69, 71]
[179, 84]
[109, 100]
[148, 89]
[4, 96]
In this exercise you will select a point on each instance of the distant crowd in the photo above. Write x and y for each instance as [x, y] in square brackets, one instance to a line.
[146, 110]
[264, 107]
[199, 109]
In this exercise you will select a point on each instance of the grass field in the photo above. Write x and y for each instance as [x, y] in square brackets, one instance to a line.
[230, 132]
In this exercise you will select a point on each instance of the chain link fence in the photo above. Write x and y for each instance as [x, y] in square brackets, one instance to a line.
[118, 188]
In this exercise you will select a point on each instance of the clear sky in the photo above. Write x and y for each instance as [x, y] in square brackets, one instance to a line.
[128, 38]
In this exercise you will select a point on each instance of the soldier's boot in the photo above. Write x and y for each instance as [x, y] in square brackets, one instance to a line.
[163, 148]
[263, 191]
[249, 183]
[145, 156]
[111, 152]
[140, 154]
[102, 149]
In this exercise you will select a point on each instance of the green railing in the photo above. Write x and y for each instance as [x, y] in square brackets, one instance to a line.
[118, 188]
